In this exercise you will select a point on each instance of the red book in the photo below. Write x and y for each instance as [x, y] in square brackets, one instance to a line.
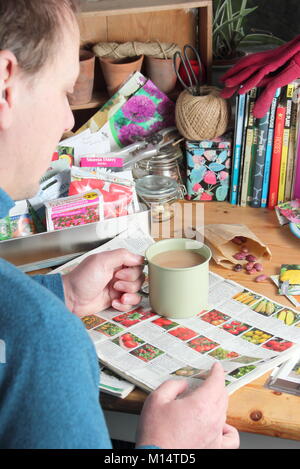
[276, 155]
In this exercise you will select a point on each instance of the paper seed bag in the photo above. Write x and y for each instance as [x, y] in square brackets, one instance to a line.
[219, 238]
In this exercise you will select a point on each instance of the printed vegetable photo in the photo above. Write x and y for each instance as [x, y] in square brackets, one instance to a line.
[109, 329]
[245, 359]
[236, 327]
[247, 298]
[147, 352]
[82, 217]
[278, 345]
[133, 317]
[165, 323]
[202, 344]
[266, 307]
[183, 333]
[288, 317]
[215, 318]
[222, 354]
[190, 372]
[240, 372]
[256, 336]
[92, 321]
[186, 371]
[128, 341]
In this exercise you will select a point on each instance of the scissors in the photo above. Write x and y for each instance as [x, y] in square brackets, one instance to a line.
[194, 81]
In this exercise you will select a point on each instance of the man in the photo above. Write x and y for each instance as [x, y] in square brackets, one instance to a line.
[49, 384]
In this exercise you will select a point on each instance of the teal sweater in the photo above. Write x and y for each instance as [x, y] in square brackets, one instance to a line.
[49, 374]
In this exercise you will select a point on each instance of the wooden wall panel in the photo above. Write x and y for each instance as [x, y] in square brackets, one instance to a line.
[93, 29]
[205, 37]
[177, 26]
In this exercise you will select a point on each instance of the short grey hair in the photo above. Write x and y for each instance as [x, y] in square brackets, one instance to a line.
[31, 29]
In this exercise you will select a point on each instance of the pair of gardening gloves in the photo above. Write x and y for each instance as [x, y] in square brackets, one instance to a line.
[269, 70]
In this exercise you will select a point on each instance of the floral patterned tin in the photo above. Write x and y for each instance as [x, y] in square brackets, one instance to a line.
[208, 169]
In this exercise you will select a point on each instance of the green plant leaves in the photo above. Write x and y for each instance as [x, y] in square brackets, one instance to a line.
[228, 29]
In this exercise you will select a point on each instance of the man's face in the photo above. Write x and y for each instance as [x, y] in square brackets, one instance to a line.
[40, 115]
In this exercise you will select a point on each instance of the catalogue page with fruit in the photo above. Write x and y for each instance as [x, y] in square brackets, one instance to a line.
[246, 332]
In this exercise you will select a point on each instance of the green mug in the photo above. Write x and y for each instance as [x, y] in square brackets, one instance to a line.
[178, 293]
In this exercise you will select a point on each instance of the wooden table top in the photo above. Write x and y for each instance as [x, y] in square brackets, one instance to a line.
[252, 408]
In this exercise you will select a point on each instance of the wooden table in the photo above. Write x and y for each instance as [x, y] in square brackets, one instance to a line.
[252, 408]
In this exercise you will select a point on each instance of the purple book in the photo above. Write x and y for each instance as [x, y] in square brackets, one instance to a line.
[297, 174]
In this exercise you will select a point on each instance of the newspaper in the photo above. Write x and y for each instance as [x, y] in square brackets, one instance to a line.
[111, 384]
[286, 377]
[241, 329]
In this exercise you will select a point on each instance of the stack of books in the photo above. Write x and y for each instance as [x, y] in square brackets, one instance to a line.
[266, 151]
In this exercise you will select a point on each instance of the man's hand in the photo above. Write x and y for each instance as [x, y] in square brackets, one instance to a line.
[103, 280]
[194, 421]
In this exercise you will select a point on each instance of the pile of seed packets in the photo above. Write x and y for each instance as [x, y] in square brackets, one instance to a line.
[288, 282]
[288, 212]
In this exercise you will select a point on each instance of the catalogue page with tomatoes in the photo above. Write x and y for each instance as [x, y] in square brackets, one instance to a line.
[241, 329]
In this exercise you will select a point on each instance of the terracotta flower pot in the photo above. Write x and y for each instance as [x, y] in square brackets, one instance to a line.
[116, 71]
[162, 73]
[83, 89]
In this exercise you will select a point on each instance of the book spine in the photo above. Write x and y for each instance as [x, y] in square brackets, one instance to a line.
[276, 154]
[296, 194]
[292, 148]
[237, 148]
[297, 98]
[248, 149]
[246, 118]
[259, 160]
[252, 161]
[268, 157]
[285, 143]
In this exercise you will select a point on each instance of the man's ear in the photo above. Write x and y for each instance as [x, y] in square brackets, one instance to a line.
[8, 66]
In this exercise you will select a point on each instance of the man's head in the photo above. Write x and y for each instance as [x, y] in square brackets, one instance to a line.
[39, 64]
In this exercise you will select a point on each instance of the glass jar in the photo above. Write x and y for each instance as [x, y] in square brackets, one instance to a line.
[168, 162]
[158, 193]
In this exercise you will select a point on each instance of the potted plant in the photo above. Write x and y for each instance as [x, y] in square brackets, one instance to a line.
[231, 40]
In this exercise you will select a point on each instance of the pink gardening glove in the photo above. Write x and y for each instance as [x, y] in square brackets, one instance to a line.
[283, 63]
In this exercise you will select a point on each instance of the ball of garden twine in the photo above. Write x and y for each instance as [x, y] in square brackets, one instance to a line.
[202, 117]
[160, 50]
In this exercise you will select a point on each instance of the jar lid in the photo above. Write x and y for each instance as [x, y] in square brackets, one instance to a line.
[166, 156]
[156, 186]
[169, 153]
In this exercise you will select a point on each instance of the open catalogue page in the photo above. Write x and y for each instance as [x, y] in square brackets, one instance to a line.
[241, 329]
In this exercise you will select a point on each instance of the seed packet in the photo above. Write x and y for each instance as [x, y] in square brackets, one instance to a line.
[288, 212]
[18, 223]
[22, 225]
[119, 194]
[5, 229]
[289, 279]
[75, 210]
[64, 153]
[295, 299]
[93, 161]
